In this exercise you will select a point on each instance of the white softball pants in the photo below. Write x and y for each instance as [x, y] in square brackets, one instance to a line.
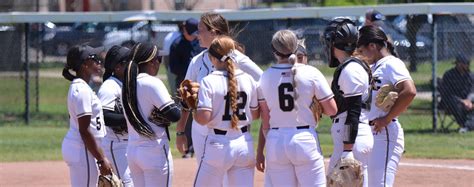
[388, 149]
[293, 158]
[362, 147]
[230, 154]
[150, 163]
[82, 165]
[116, 152]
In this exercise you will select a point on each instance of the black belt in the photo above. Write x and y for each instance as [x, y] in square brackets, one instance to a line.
[372, 121]
[299, 127]
[244, 129]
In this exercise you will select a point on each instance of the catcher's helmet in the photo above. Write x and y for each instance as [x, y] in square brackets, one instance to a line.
[342, 34]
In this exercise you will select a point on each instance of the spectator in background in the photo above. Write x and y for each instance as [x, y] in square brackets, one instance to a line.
[183, 49]
[455, 89]
[374, 17]
[167, 42]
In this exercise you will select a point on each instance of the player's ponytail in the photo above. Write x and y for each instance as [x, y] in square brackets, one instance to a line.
[140, 54]
[73, 62]
[391, 48]
[222, 48]
[284, 45]
[232, 82]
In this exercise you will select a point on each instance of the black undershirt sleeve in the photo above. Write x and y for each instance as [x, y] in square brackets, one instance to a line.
[351, 126]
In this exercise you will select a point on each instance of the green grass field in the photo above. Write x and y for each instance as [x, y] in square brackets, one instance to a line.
[41, 139]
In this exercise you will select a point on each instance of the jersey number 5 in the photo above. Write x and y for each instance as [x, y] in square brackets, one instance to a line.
[97, 120]
[285, 98]
[241, 101]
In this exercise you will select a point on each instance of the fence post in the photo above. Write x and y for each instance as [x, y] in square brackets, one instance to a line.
[27, 76]
[434, 28]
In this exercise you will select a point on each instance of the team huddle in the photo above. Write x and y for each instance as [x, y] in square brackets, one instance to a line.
[121, 133]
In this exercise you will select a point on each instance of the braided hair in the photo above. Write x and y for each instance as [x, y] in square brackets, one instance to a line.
[141, 54]
[222, 49]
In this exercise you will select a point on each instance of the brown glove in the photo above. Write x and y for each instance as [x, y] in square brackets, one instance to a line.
[109, 181]
[317, 109]
[386, 97]
[188, 93]
[347, 172]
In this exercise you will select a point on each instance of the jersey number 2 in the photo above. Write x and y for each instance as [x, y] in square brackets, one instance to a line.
[287, 103]
[241, 101]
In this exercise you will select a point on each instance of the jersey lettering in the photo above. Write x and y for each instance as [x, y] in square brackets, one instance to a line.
[241, 102]
[285, 97]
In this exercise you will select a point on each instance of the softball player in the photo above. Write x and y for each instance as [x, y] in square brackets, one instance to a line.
[148, 154]
[293, 155]
[351, 134]
[115, 142]
[388, 133]
[211, 25]
[80, 145]
[226, 107]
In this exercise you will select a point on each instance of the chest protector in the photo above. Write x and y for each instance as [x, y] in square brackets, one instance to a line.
[338, 93]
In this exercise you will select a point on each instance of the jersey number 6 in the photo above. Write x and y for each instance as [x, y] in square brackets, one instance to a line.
[241, 101]
[285, 98]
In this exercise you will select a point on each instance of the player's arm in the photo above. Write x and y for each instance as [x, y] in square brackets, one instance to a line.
[114, 119]
[91, 145]
[181, 140]
[265, 116]
[406, 94]
[329, 107]
[202, 116]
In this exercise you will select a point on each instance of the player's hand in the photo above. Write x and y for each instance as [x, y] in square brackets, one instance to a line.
[380, 123]
[260, 162]
[105, 167]
[182, 144]
[467, 104]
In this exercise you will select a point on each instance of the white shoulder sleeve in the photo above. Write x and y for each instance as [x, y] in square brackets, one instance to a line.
[397, 71]
[248, 66]
[107, 95]
[83, 102]
[159, 96]
[322, 89]
[354, 80]
[205, 95]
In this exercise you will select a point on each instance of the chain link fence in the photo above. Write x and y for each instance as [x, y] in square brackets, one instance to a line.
[428, 44]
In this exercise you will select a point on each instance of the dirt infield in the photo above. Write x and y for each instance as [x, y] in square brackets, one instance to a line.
[412, 172]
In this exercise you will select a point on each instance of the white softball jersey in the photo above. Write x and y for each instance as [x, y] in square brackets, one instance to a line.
[201, 66]
[277, 89]
[293, 156]
[388, 70]
[213, 97]
[82, 101]
[353, 81]
[151, 92]
[115, 145]
[389, 144]
[110, 94]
